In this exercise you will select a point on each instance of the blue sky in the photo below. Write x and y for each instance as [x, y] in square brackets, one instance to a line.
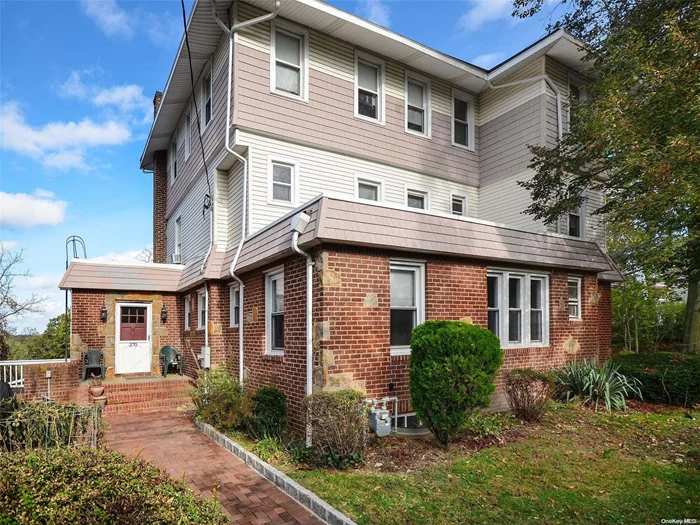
[76, 83]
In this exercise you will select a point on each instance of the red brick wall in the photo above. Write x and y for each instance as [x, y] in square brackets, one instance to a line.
[160, 188]
[64, 382]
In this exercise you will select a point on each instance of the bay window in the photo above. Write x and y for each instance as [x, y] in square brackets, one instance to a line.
[407, 291]
[517, 308]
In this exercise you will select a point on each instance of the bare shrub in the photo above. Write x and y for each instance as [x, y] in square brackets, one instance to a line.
[528, 392]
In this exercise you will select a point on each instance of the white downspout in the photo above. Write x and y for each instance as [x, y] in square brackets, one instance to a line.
[244, 163]
[309, 312]
[549, 82]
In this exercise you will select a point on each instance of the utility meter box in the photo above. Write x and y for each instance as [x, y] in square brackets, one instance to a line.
[380, 421]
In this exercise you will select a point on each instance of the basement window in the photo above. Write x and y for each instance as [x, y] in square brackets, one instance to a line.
[407, 284]
[274, 312]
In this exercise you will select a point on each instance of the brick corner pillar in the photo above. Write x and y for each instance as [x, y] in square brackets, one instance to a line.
[160, 188]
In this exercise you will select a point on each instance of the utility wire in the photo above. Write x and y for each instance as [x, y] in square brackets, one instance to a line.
[207, 197]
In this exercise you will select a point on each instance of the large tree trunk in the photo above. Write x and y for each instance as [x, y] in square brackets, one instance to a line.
[691, 333]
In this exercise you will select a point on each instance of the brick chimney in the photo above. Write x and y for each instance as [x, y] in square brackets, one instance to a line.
[160, 187]
[157, 98]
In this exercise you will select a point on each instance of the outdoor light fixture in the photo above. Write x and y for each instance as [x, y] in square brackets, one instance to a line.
[103, 314]
[163, 314]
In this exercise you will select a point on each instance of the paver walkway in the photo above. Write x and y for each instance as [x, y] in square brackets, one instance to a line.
[171, 441]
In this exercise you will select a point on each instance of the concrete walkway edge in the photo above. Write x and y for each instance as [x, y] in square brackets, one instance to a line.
[305, 497]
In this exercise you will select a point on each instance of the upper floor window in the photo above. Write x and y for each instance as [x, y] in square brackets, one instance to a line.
[188, 315]
[178, 239]
[517, 305]
[574, 292]
[288, 67]
[368, 189]
[188, 134]
[201, 309]
[417, 104]
[458, 205]
[173, 160]
[462, 119]
[206, 99]
[417, 199]
[234, 305]
[274, 312]
[369, 87]
[407, 291]
[575, 222]
[577, 92]
[282, 181]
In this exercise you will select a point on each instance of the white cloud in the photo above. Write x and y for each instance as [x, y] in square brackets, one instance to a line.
[130, 256]
[73, 87]
[488, 60]
[58, 145]
[163, 29]
[40, 282]
[9, 245]
[375, 11]
[21, 210]
[483, 11]
[109, 17]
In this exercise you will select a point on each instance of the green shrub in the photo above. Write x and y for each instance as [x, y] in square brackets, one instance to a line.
[269, 413]
[339, 427]
[528, 392]
[666, 377]
[221, 400]
[595, 384]
[81, 486]
[270, 449]
[452, 372]
[25, 425]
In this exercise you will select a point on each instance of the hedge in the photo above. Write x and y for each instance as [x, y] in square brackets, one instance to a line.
[81, 486]
[666, 377]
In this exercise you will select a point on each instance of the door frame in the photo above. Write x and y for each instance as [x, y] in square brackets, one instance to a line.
[117, 331]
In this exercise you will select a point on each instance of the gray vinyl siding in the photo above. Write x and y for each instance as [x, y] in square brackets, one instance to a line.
[328, 120]
[235, 196]
[325, 171]
[221, 210]
[195, 227]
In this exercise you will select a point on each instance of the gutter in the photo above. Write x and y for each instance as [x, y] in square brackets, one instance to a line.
[244, 163]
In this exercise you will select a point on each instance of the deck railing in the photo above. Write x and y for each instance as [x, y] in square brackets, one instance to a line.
[12, 372]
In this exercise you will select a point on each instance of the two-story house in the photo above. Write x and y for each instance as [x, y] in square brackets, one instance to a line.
[325, 186]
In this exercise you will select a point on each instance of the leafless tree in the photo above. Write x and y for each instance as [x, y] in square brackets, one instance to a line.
[145, 255]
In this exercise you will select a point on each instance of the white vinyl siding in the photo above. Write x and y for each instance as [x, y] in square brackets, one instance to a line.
[407, 303]
[194, 231]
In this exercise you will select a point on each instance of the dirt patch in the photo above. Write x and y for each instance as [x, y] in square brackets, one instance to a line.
[649, 408]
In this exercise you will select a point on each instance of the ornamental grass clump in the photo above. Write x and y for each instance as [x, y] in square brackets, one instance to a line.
[596, 385]
[452, 371]
[528, 392]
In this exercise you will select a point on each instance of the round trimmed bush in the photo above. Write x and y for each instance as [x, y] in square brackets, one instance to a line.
[82, 486]
[269, 413]
[666, 377]
[452, 372]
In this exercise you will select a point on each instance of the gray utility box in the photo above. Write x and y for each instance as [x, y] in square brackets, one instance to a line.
[380, 421]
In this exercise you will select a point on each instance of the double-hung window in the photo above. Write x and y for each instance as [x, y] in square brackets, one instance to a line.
[417, 199]
[173, 160]
[407, 283]
[575, 222]
[462, 119]
[234, 305]
[206, 99]
[282, 181]
[574, 292]
[368, 189]
[201, 309]
[369, 87]
[188, 314]
[458, 205]
[517, 305]
[417, 104]
[288, 67]
[274, 312]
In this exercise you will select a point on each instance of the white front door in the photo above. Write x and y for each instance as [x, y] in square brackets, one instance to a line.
[132, 353]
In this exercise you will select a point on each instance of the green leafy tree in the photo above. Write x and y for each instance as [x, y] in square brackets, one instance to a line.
[54, 343]
[636, 136]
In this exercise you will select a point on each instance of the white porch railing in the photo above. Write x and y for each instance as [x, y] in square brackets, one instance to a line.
[12, 372]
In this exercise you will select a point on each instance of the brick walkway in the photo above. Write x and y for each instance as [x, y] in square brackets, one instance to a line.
[171, 441]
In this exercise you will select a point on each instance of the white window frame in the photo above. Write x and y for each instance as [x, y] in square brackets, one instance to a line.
[578, 302]
[209, 72]
[188, 310]
[564, 229]
[294, 164]
[469, 99]
[465, 204]
[201, 307]
[361, 56]
[234, 291]
[302, 34]
[419, 270]
[173, 159]
[427, 112]
[270, 276]
[178, 236]
[188, 133]
[503, 307]
[361, 178]
[416, 190]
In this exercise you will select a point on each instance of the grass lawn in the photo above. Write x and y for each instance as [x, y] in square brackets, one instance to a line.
[577, 466]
